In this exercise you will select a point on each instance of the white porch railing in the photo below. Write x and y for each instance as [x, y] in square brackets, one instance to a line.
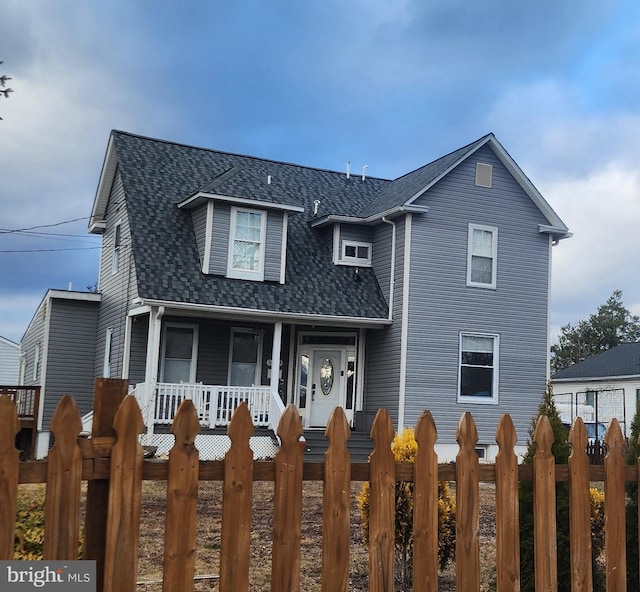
[214, 404]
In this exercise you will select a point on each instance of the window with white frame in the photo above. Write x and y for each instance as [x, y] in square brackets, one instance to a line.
[179, 353]
[355, 253]
[482, 255]
[245, 356]
[108, 352]
[247, 244]
[478, 368]
[115, 255]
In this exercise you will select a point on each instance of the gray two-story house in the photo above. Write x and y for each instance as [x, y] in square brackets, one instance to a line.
[226, 278]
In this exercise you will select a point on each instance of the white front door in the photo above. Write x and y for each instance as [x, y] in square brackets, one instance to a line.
[327, 385]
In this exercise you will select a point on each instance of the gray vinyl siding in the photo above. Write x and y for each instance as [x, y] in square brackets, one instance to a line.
[117, 289]
[273, 247]
[381, 257]
[383, 347]
[9, 362]
[220, 239]
[33, 336]
[70, 355]
[199, 218]
[138, 352]
[351, 232]
[441, 305]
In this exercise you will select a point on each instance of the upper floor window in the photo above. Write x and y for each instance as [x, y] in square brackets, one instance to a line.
[108, 352]
[478, 380]
[482, 252]
[247, 244]
[115, 256]
[356, 253]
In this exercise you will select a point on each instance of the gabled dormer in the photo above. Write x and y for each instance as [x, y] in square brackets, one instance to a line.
[240, 224]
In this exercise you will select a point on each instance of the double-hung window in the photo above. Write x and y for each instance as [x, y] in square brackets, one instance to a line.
[478, 380]
[247, 244]
[482, 255]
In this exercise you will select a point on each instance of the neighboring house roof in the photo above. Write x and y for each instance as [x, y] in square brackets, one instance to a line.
[622, 361]
[158, 175]
[8, 342]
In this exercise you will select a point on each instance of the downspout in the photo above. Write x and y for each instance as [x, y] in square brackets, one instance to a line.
[392, 271]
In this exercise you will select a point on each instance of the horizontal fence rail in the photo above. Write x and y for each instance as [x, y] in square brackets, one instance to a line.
[112, 463]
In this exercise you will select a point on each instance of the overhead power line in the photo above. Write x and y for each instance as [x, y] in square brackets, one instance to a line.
[12, 230]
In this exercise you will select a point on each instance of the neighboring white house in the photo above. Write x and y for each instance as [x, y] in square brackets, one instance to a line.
[609, 382]
[9, 362]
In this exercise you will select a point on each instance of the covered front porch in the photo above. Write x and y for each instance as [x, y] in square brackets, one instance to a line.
[218, 363]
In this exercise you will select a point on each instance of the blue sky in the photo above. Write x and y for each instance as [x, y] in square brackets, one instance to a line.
[389, 84]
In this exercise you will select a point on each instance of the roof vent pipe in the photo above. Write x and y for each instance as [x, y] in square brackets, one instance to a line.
[348, 169]
[364, 171]
[316, 203]
[268, 179]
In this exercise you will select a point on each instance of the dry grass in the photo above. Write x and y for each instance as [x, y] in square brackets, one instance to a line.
[208, 539]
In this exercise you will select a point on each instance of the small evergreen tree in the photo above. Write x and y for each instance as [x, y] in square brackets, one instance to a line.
[405, 447]
[560, 450]
[631, 509]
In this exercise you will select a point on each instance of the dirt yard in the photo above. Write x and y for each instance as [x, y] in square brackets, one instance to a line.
[208, 539]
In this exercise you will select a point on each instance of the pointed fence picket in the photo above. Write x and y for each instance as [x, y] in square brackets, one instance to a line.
[113, 457]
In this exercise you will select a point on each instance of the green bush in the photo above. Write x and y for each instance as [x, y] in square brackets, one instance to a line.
[560, 450]
[404, 449]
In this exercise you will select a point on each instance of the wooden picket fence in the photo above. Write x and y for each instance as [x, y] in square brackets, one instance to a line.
[112, 463]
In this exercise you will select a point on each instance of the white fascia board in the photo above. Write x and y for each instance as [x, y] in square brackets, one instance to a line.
[373, 219]
[626, 377]
[67, 295]
[202, 197]
[557, 232]
[267, 315]
[107, 175]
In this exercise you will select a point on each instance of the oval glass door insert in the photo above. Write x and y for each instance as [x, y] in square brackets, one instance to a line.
[327, 374]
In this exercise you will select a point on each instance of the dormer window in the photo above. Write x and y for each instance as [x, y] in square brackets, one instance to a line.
[355, 253]
[246, 244]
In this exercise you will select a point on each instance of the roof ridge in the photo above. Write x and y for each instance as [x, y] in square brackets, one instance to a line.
[238, 155]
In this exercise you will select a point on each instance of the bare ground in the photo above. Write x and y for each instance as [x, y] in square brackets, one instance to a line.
[208, 539]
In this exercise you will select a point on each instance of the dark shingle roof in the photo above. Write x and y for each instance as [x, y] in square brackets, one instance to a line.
[623, 360]
[157, 174]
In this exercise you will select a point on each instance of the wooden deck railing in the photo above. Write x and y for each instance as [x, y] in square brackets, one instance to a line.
[114, 468]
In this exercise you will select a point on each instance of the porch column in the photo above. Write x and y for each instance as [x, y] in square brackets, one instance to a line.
[151, 370]
[126, 356]
[275, 357]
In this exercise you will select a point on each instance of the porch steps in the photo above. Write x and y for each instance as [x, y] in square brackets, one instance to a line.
[360, 446]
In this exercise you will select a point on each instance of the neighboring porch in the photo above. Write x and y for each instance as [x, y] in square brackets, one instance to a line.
[27, 401]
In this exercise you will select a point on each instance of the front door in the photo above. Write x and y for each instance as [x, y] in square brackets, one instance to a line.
[327, 385]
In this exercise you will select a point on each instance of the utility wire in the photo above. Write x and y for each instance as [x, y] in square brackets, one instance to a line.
[10, 231]
[48, 250]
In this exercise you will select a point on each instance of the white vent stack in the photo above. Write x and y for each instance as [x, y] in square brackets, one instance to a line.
[364, 171]
[348, 169]
[316, 204]
[268, 179]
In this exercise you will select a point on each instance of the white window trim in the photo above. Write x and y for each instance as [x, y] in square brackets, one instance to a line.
[116, 252]
[206, 260]
[245, 274]
[494, 256]
[357, 261]
[194, 348]
[108, 351]
[258, 375]
[493, 400]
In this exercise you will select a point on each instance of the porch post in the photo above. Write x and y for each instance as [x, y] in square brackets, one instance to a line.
[275, 357]
[126, 356]
[151, 371]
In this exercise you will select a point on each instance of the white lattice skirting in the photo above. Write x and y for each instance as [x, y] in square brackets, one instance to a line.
[215, 446]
